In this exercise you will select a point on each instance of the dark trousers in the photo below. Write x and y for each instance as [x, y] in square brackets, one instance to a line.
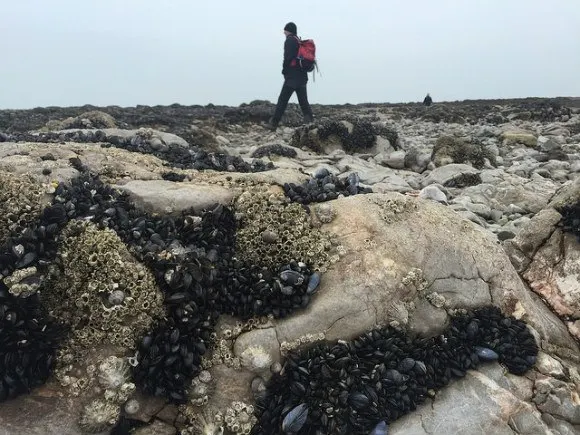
[283, 99]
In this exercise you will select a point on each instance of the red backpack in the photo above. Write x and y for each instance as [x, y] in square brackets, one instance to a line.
[306, 57]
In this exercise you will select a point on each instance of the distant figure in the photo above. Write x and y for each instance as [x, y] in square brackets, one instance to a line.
[295, 79]
[428, 100]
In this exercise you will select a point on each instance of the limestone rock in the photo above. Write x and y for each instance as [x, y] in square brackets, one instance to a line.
[554, 273]
[158, 427]
[386, 239]
[549, 366]
[475, 405]
[455, 174]
[43, 411]
[530, 195]
[396, 160]
[434, 193]
[517, 137]
[168, 197]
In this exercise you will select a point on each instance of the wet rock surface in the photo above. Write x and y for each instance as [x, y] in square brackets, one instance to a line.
[272, 251]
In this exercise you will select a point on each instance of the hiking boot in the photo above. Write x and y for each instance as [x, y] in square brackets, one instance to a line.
[308, 119]
[270, 125]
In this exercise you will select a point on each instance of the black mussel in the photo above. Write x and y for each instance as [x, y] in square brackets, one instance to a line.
[313, 283]
[353, 179]
[486, 354]
[406, 365]
[292, 277]
[358, 400]
[295, 419]
[380, 429]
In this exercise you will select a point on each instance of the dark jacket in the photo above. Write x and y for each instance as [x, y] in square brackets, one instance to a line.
[294, 76]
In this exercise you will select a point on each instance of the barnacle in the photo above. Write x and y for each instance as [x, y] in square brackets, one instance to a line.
[297, 239]
[24, 282]
[21, 202]
[393, 209]
[256, 359]
[87, 290]
[201, 388]
[99, 415]
[239, 418]
[208, 422]
[325, 213]
[113, 372]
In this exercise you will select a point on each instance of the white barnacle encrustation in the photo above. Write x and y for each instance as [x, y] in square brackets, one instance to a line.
[99, 415]
[240, 418]
[256, 359]
[113, 372]
[116, 297]
[132, 406]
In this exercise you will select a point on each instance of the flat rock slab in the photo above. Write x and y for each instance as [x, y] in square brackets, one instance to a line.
[44, 411]
[110, 163]
[160, 196]
[474, 405]
[166, 138]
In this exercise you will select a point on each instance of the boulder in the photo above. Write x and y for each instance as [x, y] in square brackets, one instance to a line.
[453, 175]
[400, 250]
[518, 137]
[395, 160]
[160, 196]
[477, 405]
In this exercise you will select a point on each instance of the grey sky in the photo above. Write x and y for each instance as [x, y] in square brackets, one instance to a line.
[128, 52]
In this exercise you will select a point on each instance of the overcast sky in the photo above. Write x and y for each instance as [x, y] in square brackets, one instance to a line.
[128, 52]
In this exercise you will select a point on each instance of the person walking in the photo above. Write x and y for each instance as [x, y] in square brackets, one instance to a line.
[295, 80]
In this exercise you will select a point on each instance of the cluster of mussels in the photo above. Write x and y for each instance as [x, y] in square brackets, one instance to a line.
[359, 387]
[28, 342]
[356, 135]
[177, 156]
[274, 149]
[194, 263]
[570, 221]
[324, 186]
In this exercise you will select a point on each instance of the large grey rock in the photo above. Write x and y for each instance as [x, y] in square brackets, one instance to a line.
[434, 193]
[164, 137]
[548, 144]
[162, 196]
[158, 427]
[530, 195]
[445, 175]
[548, 258]
[392, 182]
[531, 236]
[554, 273]
[475, 405]
[396, 160]
[45, 411]
[110, 163]
[402, 253]
[553, 397]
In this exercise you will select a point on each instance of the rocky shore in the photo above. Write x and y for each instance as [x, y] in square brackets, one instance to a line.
[181, 269]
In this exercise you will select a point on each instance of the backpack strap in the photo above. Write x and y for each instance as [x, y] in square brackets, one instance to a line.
[294, 61]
